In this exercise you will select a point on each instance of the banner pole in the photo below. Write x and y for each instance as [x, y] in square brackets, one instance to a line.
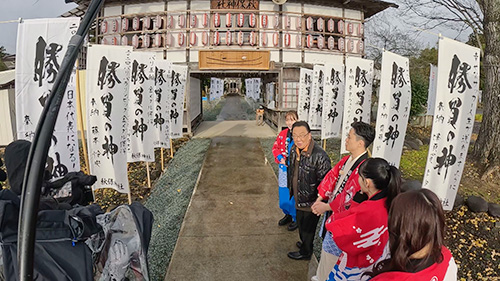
[171, 149]
[162, 164]
[324, 144]
[79, 116]
[130, 197]
[148, 172]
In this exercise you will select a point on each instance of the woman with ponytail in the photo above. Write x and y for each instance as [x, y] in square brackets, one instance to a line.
[361, 232]
[416, 242]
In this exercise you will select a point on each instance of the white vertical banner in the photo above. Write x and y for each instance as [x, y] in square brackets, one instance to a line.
[456, 100]
[358, 95]
[220, 88]
[305, 88]
[108, 74]
[316, 108]
[431, 98]
[333, 101]
[161, 121]
[256, 88]
[393, 108]
[178, 79]
[41, 46]
[249, 87]
[213, 88]
[140, 107]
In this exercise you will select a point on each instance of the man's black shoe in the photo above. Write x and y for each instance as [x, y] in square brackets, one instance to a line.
[285, 220]
[292, 226]
[299, 244]
[298, 256]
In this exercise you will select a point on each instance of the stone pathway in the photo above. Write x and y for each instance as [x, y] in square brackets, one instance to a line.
[230, 231]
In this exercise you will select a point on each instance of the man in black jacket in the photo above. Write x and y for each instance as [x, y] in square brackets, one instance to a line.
[309, 164]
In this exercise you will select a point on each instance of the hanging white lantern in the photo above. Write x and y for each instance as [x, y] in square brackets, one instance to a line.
[299, 41]
[204, 38]
[276, 21]
[320, 24]
[124, 41]
[205, 20]
[229, 38]
[309, 23]
[147, 41]
[263, 20]
[361, 29]
[180, 39]
[114, 25]
[135, 41]
[158, 22]
[181, 20]
[216, 38]
[264, 39]
[217, 20]
[341, 44]
[136, 23]
[361, 46]
[298, 23]
[350, 28]
[125, 24]
[350, 45]
[158, 40]
[104, 27]
[104, 41]
[169, 39]
[241, 19]
[170, 21]
[146, 22]
[229, 20]
[252, 38]
[288, 39]
[276, 38]
[240, 38]
[310, 41]
[331, 43]
[331, 25]
[114, 41]
[288, 21]
[321, 42]
[252, 20]
[194, 20]
[192, 38]
[340, 26]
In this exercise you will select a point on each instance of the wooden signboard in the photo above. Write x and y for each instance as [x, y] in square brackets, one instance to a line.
[248, 60]
[234, 4]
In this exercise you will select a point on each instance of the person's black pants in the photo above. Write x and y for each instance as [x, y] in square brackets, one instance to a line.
[307, 222]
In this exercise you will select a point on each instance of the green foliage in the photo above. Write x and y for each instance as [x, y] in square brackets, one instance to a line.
[419, 93]
[419, 74]
[412, 163]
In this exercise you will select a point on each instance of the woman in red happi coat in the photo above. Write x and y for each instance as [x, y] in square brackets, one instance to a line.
[416, 231]
[361, 232]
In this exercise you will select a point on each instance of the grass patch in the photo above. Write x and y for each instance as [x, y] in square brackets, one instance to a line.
[478, 118]
[412, 163]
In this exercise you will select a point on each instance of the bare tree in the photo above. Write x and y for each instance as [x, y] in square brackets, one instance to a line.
[483, 17]
[383, 33]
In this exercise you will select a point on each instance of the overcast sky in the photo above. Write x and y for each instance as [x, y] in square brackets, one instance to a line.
[30, 9]
[26, 9]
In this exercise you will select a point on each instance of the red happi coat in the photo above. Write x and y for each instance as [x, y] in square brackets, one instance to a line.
[279, 146]
[360, 232]
[435, 272]
[343, 200]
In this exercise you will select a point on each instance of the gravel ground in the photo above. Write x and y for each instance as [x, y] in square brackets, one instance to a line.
[169, 201]
[212, 108]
